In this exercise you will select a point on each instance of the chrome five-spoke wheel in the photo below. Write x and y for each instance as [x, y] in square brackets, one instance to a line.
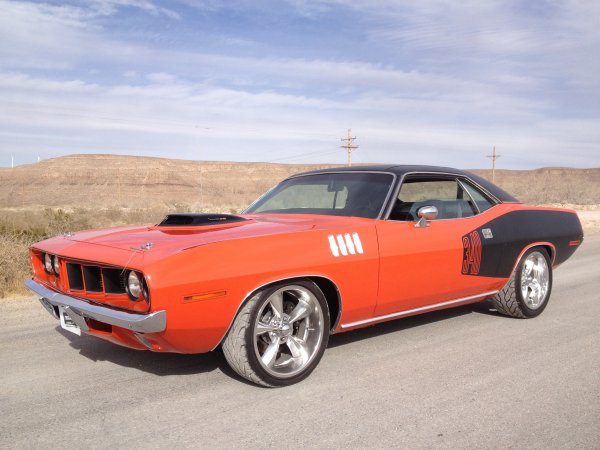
[280, 334]
[527, 292]
[288, 330]
[534, 280]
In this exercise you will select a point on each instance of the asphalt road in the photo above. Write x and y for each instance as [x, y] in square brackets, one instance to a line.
[462, 378]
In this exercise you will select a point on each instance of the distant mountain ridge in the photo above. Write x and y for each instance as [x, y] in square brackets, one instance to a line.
[103, 181]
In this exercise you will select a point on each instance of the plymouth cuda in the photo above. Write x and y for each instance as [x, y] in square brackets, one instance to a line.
[322, 252]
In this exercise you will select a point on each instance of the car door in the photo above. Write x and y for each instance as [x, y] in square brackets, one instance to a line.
[422, 263]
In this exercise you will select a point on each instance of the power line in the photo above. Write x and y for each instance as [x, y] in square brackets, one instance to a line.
[349, 147]
[303, 155]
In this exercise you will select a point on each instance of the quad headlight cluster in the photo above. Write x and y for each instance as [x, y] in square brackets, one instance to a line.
[136, 286]
[51, 264]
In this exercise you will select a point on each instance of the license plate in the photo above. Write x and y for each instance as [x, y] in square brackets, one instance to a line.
[67, 323]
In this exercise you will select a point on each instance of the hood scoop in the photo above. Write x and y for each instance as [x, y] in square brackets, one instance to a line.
[199, 219]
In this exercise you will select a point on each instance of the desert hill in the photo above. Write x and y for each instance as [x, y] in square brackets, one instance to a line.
[101, 181]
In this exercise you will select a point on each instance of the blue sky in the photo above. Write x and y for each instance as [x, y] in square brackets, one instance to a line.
[433, 82]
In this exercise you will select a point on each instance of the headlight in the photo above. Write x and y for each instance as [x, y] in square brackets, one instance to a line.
[56, 265]
[48, 262]
[134, 285]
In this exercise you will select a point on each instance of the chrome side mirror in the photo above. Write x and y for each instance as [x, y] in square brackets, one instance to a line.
[426, 213]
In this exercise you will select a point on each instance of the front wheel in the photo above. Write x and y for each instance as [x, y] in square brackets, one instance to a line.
[527, 293]
[279, 335]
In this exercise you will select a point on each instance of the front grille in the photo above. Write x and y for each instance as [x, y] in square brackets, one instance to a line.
[75, 277]
[92, 277]
[114, 281]
[95, 279]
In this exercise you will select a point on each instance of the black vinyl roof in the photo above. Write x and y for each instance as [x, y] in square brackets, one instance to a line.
[401, 170]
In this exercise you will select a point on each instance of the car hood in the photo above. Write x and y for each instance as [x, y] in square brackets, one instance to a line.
[160, 241]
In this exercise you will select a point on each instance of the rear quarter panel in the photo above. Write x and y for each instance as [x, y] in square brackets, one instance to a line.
[523, 226]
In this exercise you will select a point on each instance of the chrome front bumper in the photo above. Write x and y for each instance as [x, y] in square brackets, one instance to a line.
[78, 310]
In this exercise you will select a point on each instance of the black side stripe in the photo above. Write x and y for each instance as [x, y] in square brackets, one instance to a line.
[514, 231]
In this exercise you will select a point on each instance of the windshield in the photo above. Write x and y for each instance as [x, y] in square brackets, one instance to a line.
[357, 194]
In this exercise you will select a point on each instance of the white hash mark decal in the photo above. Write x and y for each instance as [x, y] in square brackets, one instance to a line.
[345, 244]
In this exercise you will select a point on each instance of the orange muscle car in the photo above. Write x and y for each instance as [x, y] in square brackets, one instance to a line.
[322, 252]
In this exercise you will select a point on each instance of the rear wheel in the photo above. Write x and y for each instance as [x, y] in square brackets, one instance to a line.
[527, 293]
[279, 335]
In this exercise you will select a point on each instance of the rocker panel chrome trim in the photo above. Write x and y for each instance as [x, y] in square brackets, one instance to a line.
[417, 310]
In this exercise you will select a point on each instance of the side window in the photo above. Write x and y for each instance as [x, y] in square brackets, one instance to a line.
[446, 194]
[482, 201]
[421, 190]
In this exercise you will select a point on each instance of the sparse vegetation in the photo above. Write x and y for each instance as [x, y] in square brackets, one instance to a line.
[20, 228]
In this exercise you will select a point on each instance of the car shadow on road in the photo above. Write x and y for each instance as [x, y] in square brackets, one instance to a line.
[406, 323]
[165, 364]
[161, 364]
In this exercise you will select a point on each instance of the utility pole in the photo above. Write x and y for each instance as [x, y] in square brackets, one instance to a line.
[349, 147]
[12, 161]
[494, 156]
[119, 185]
[200, 181]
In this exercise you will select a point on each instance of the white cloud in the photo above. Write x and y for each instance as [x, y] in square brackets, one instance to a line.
[482, 74]
[272, 125]
[161, 77]
[46, 36]
[109, 7]
[31, 34]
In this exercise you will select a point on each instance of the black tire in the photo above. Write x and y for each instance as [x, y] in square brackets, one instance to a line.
[511, 300]
[261, 342]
